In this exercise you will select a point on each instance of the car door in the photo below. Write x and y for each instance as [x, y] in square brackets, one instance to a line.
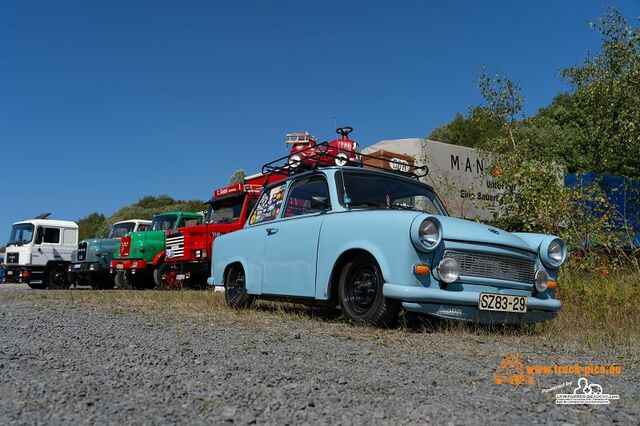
[47, 243]
[291, 249]
[251, 240]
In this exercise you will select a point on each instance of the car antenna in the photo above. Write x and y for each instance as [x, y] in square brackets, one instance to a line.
[43, 216]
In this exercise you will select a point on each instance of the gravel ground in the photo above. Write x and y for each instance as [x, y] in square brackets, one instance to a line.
[69, 363]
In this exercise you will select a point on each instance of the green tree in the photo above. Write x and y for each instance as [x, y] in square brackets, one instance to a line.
[471, 131]
[91, 226]
[607, 89]
[237, 177]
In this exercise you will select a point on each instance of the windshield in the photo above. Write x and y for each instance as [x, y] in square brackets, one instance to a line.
[21, 233]
[119, 230]
[163, 222]
[377, 190]
[227, 210]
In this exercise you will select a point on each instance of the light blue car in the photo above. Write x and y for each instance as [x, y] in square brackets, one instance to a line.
[373, 242]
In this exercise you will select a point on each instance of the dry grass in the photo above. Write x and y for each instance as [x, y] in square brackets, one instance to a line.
[598, 312]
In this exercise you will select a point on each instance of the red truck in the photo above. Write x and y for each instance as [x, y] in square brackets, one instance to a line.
[188, 249]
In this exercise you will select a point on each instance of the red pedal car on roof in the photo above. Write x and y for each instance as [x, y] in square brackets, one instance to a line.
[188, 255]
[306, 152]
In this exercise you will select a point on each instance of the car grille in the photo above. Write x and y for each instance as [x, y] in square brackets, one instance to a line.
[12, 257]
[82, 251]
[175, 245]
[491, 266]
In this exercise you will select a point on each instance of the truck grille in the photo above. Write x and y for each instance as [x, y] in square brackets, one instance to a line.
[175, 245]
[12, 257]
[491, 266]
[82, 251]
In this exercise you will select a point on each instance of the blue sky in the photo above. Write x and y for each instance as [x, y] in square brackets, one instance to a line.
[104, 102]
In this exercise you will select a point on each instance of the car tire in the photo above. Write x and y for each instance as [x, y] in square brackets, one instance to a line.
[360, 294]
[157, 276]
[129, 281]
[235, 292]
[341, 159]
[56, 278]
[119, 280]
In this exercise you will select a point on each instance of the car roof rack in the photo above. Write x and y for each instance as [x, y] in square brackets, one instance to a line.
[322, 151]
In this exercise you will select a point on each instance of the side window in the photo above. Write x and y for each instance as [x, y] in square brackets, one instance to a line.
[190, 222]
[142, 227]
[70, 236]
[51, 235]
[308, 196]
[269, 205]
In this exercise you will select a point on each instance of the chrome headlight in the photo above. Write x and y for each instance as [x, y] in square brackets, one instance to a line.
[426, 234]
[541, 280]
[448, 270]
[553, 252]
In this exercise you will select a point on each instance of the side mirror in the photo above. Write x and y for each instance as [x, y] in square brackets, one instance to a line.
[319, 203]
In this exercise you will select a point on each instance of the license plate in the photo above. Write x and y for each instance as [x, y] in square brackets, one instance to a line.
[76, 266]
[119, 266]
[9, 272]
[502, 303]
[180, 277]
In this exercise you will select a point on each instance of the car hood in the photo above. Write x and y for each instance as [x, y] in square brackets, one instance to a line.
[469, 231]
[102, 244]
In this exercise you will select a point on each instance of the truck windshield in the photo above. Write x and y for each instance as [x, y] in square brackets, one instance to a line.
[359, 189]
[119, 230]
[227, 210]
[163, 222]
[21, 233]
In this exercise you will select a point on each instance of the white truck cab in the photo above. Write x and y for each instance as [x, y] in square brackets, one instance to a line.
[39, 252]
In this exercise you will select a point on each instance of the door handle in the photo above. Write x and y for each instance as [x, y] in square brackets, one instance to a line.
[271, 231]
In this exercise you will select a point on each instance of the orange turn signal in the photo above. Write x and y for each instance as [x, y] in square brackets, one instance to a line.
[25, 273]
[552, 285]
[421, 269]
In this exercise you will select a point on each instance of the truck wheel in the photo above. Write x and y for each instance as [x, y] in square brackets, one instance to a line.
[236, 290]
[360, 293]
[128, 280]
[163, 283]
[119, 280]
[56, 277]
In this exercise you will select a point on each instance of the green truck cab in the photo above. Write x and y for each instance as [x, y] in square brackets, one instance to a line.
[139, 255]
[91, 261]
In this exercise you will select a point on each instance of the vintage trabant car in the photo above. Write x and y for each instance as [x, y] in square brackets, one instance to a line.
[374, 242]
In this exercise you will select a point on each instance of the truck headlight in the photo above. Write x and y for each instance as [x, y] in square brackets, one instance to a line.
[448, 270]
[541, 280]
[553, 252]
[426, 234]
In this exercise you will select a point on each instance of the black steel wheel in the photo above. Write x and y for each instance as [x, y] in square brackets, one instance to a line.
[129, 281]
[360, 293]
[236, 289]
[56, 277]
[119, 281]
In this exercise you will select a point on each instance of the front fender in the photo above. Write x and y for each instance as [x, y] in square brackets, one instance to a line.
[158, 258]
[385, 235]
